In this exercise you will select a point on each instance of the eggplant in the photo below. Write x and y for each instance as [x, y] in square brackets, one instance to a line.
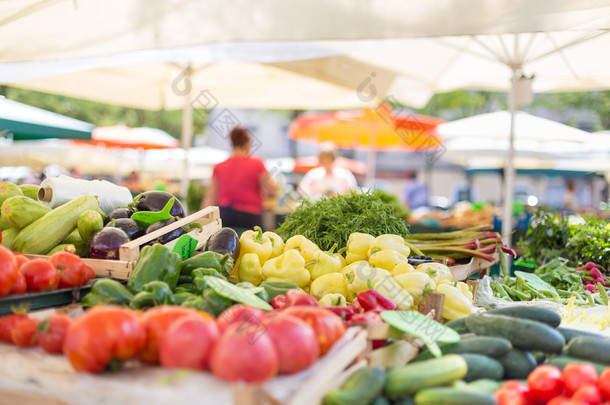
[155, 201]
[105, 244]
[131, 227]
[224, 241]
[121, 213]
[163, 239]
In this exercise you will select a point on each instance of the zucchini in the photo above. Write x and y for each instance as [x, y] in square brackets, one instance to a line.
[8, 237]
[64, 247]
[452, 396]
[88, 223]
[30, 190]
[517, 364]
[3, 224]
[47, 232]
[524, 334]
[458, 325]
[361, 388]
[483, 385]
[539, 314]
[480, 366]
[562, 361]
[20, 211]
[407, 380]
[8, 190]
[590, 348]
[485, 345]
[570, 334]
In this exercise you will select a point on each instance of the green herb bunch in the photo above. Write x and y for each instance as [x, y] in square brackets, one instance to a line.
[332, 220]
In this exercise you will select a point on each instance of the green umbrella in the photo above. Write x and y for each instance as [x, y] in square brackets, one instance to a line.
[25, 122]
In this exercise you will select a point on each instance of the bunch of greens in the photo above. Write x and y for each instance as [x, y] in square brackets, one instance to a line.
[398, 209]
[331, 220]
[561, 276]
[550, 236]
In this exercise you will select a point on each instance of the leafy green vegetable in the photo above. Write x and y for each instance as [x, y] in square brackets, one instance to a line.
[331, 220]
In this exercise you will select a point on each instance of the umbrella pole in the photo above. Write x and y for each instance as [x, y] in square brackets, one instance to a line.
[509, 171]
[371, 159]
[187, 136]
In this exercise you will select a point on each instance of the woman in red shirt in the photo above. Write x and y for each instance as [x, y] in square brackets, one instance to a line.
[239, 184]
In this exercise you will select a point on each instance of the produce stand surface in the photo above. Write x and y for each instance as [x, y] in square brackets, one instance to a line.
[30, 376]
[38, 300]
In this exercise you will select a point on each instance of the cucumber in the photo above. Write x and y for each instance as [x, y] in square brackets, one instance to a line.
[524, 334]
[539, 314]
[480, 366]
[452, 396]
[47, 232]
[361, 388]
[540, 357]
[88, 223]
[485, 345]
[590, 348]
[517, 364]
[411, 378]
[8, 190]
[20, 211]
[562, 361]
[482, 385]
[8, 237]
[30, 190]
[381, 401]
[570, 334]
[458, 325]
[404, 401]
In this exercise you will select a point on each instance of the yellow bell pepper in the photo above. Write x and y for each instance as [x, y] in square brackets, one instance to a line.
[394, 291]
[324, 263]
[277, 243]
[437, 271]
[402, 268]
[465, 290]
[341, 258]
[387, 259]
[456, 305]
[289, 267]
[304, 246]
[255, 242]
[333, 300]
[416, 283]
[250, 269]
[358, 245]
[389, 241]
[330, 283]
[360, 276]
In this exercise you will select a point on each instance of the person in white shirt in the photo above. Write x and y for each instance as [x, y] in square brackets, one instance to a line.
[327, 179]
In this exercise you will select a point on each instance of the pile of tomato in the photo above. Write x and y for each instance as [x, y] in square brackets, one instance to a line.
[576, 384]
[19, 275]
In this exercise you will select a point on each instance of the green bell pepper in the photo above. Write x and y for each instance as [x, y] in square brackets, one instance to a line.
[260, 292]
[183, 296]
[106, 291]
[186, 287]
[153, 294]
[156, 263]
[210, 260]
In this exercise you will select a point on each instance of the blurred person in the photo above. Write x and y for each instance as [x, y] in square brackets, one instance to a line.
[133, 182]
[416, 192]
[327, 179]
[570, 201]
[239, 184]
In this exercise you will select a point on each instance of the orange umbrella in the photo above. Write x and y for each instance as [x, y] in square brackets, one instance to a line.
[306, 163]
[380, 129]
[122, 136]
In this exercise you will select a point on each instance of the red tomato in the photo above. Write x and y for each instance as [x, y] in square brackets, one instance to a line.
[512, 393]
[294, 341]
[239, 313]
[7, 322]
[21, 259]
[89, 274]
[52, 333]
[329, 328]
[196, 332]
[296, 297]
[545, 383]
[560, 401]
[588, 395]
[103, 334]
[40, 275]
[24, 333]
[603, 383]
[70, 269]
[156, 321]
[8, 271]
[574, 376]
[20, 286]
[242, 354]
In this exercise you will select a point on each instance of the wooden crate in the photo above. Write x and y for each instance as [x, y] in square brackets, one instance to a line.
[476, 265]
[208, 218]
[30, 376]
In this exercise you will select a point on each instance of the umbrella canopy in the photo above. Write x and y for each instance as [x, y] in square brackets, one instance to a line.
[122, 136]
[26, 122]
